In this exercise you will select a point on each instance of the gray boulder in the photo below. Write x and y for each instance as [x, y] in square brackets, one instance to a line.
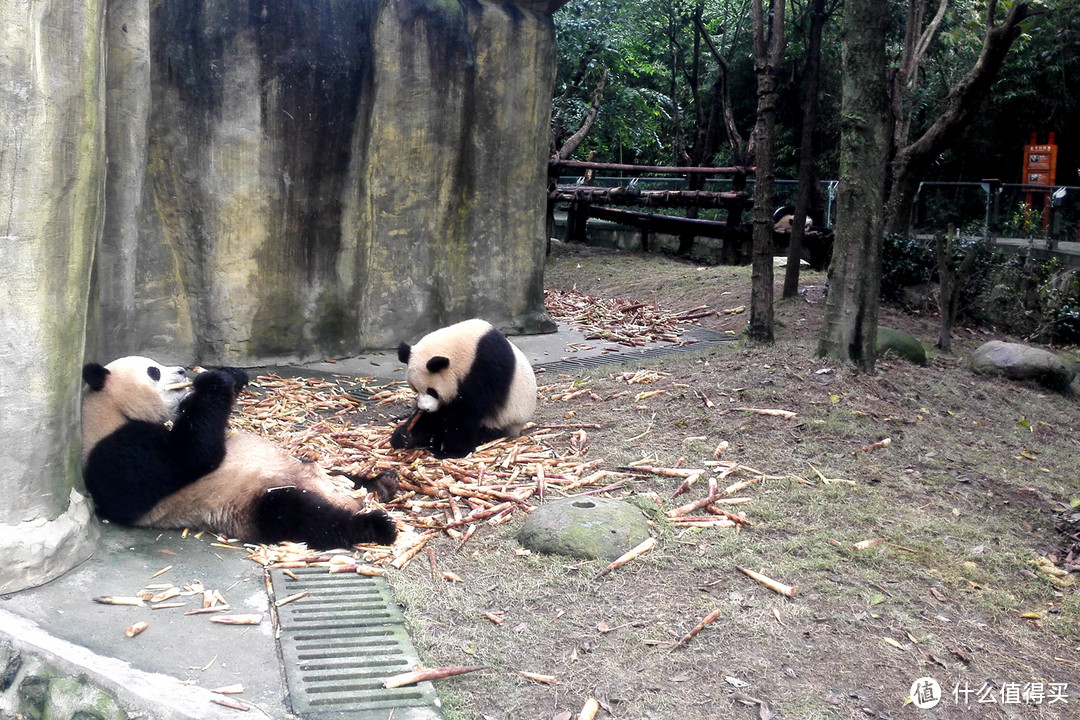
[900, 344]
[585, 527]
[1023, 362]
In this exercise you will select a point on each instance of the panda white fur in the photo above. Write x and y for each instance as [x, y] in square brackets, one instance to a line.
[472, 386]
[784, 219]
[141, 472]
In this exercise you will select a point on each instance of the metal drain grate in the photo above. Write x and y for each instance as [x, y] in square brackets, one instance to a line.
[340, 642]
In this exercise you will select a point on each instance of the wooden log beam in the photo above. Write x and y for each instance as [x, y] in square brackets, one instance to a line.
[625, 195]
[555, 165]
[662, 223]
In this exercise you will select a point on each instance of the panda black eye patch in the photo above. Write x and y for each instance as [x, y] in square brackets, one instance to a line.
[433, 393]
[154, 373]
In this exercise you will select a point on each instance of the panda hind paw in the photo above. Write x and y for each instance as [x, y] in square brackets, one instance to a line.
[374, 527]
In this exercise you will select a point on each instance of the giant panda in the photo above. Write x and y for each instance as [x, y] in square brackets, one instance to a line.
[784, 219]
[157, 453]
[472, 386]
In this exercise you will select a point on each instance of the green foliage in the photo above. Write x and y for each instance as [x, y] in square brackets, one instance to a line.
[1037, 300]
[905, 261]
[1023, 222]
[661, 78]
[908, 260]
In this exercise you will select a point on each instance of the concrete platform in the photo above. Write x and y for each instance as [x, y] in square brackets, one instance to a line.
[168, 670]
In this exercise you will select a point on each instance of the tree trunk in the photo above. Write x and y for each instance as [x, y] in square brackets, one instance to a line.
[951, 282]
[849, 330]
[768, 52]
[575, 140]
[961, 107]
[807, 157]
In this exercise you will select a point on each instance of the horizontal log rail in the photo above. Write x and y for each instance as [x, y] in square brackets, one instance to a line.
[555, 165]
[667, 224]
[630, 195]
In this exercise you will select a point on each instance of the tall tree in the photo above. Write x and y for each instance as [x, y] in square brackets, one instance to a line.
[849, 330]
[913, 160]
[768, 53]
[808, 175]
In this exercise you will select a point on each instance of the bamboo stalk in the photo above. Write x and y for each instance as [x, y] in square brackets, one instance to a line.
[411, 678]
[589, 710]
[636, 552]
[696, 629]
[768, 582]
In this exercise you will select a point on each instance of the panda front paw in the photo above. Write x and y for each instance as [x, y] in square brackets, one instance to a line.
[224, 381]
[239, 378]
[401, 439]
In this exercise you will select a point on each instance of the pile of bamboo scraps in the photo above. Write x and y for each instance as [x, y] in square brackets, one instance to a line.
[623, 322]
[453, 497]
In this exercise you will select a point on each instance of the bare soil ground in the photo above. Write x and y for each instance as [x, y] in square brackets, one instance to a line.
[969, 492]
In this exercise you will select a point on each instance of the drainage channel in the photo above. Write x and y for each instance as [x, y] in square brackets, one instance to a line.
[340, 642]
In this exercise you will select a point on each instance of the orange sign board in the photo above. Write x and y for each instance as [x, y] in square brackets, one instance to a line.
[1040, 162]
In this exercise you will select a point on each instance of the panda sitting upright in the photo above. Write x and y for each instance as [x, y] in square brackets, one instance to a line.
[472, 386]
[141, 472]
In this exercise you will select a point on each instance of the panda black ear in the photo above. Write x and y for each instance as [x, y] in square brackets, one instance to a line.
[403, 352]
[438, 363]
[94, 375]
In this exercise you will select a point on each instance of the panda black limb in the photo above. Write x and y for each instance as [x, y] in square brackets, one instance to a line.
[296, 515]
[472, 386]
[196, 475]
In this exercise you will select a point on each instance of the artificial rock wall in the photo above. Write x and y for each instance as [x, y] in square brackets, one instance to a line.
[52, 173]
[302, 179]
[247, 181]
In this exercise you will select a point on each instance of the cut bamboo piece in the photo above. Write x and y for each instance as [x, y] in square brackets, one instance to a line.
[241, 619]
[768, 582]
[136, 628]
[697, 628]
[636, 552]
[411, 678]
[118, 600]
[589, 710]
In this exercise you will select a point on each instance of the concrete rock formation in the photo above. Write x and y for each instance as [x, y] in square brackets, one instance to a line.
[235, 182]
[296, 181]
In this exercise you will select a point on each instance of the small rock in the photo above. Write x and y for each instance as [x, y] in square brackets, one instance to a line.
[901, 344]
[586, 527]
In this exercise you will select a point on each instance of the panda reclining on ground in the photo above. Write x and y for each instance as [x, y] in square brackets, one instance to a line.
[194, 475]
[472, 386]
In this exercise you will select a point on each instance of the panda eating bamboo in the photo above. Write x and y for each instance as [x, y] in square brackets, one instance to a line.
[472, 386]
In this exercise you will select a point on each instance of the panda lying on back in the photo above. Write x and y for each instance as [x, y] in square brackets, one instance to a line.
[472, 386]
[141, 472]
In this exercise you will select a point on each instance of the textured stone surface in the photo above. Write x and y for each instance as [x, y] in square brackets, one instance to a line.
[901, 344]
[52, 679]
[309, 180]
[52, 171]
[1023, 362]
[37, 551]
[584, 527]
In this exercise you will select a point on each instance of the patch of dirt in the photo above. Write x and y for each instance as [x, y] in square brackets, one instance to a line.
[968, 494]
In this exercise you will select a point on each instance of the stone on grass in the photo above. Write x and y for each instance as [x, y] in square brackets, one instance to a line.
[905, 346]
[1023, 362]
[585, 527]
